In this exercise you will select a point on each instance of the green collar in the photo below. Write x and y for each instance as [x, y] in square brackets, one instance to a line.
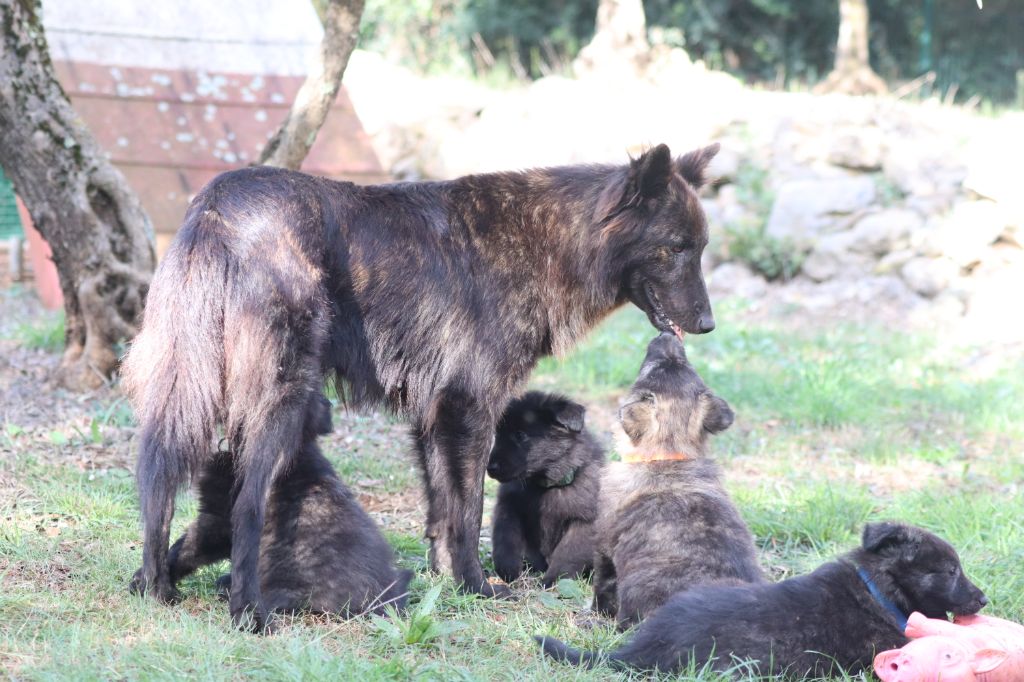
[560, 483]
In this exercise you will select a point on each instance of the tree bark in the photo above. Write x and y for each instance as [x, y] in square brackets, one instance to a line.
[619, 42]
[292, 141]
[852, 73]
[101, 237]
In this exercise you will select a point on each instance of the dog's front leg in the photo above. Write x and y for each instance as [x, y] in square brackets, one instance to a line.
[454, 442]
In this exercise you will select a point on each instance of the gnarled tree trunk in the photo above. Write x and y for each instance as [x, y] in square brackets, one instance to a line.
[619, 43]
[292, 141]
[100, 235]
[852, 73]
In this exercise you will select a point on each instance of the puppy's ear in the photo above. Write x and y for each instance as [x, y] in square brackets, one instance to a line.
[569, 415]
[890, 539]
[693, 165]
[637, 414]
[649, 175]
[719, 416]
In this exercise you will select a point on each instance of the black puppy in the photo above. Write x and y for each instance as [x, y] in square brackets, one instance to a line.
[549, 467]
[839, 616]
[319, 550]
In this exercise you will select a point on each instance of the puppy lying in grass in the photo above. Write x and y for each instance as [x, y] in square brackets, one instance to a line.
[666, 523]
[549, 467]
[319, 550]
[834, 619]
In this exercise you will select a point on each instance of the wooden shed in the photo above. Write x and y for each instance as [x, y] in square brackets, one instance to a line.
[177, 92]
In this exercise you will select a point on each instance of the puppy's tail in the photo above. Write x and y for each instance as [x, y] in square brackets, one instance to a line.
[566, 654]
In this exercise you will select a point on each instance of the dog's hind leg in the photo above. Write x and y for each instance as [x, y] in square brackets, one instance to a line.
[574, 555]
[605, 586]
[454, 441]
[159, 474]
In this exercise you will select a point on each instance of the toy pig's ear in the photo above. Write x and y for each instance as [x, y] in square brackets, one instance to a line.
[886, 666]
[987, 660]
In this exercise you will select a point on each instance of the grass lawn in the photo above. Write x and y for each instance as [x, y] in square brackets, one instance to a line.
[834, 427]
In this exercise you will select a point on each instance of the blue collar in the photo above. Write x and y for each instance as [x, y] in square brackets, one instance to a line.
[885, 602]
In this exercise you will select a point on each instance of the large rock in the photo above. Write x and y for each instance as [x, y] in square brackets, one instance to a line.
[884, 231]
[859, 148]
[805, 209]
[929, 276]
[832, 257]
[737, 279]
[915, 166]
[963, 234]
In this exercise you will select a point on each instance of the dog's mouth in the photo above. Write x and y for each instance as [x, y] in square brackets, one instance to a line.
[657, 315]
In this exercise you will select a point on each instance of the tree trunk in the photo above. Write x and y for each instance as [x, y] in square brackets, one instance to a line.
[619, 45]
[292, 141]
[100, 236]
[852, 73]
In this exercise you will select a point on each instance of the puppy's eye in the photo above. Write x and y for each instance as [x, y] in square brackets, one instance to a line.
[520, 437]
[953, 570]
[677, 248]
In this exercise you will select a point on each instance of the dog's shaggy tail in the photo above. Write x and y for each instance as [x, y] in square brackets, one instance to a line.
[174, 370]
[566, 654]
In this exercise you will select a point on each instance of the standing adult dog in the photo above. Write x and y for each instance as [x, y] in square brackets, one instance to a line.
[434, 298]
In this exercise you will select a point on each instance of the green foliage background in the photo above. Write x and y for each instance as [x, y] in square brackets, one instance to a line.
[788, 43]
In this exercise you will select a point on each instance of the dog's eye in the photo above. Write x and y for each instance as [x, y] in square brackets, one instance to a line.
[677, 248]
[953, 570]
[520, 437]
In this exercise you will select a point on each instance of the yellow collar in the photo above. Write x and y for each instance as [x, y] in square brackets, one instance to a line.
[637, 458]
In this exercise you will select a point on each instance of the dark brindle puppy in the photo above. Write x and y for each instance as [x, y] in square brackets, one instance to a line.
[434, 298]
[666, 523]
[835, 618]
[550, 469]
[319, 551]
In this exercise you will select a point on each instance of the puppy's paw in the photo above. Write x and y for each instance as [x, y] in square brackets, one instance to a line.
[160, 589]
[495, 589]
[223, 587]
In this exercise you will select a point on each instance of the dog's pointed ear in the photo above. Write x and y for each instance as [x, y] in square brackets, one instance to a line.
[570, 415]
[890, 539]
[693, 165]
[719, 416]
[649, 175]
[637, 414]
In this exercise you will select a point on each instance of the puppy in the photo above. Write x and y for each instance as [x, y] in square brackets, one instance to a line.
[549, 467]
[666, 523]
[319, 550]
[837, 617]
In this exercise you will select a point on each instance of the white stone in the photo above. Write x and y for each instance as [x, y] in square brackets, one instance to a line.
[929, 276]
[832, 257]
[893, 261]
[884, 231]
[859, 148]
[964, 233]
[805, 209]
[738, 280]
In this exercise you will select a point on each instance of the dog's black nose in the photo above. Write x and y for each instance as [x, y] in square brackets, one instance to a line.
[706, 323]
[983, 600]
[492, 469]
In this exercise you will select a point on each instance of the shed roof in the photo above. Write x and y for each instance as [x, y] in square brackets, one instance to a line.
[179, 92]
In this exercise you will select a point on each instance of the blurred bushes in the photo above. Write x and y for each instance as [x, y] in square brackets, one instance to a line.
[784, 43]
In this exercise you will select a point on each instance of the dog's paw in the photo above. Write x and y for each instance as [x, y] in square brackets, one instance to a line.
[254, 619]
[162, 590]
[223, 587]
[496, 590]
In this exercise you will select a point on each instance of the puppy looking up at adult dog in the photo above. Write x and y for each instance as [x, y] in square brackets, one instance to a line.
[837, 617]
[666, 523]
[549, 466]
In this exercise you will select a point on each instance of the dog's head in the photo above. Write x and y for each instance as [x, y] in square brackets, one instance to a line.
[924, 569]
[662, 232]
[534, 438]
[669, 409]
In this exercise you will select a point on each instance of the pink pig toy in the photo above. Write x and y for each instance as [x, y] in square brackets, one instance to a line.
[973, 648]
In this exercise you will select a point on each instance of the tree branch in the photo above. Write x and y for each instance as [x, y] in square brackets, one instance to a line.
[292, 141]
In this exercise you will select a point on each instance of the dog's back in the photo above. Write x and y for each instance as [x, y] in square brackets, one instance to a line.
[666, 521]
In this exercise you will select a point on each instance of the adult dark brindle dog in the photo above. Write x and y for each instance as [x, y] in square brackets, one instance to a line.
[435, 299]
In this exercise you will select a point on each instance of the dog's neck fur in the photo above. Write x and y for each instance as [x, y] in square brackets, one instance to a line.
[638, 457]
[883, 580]
[556, 202]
